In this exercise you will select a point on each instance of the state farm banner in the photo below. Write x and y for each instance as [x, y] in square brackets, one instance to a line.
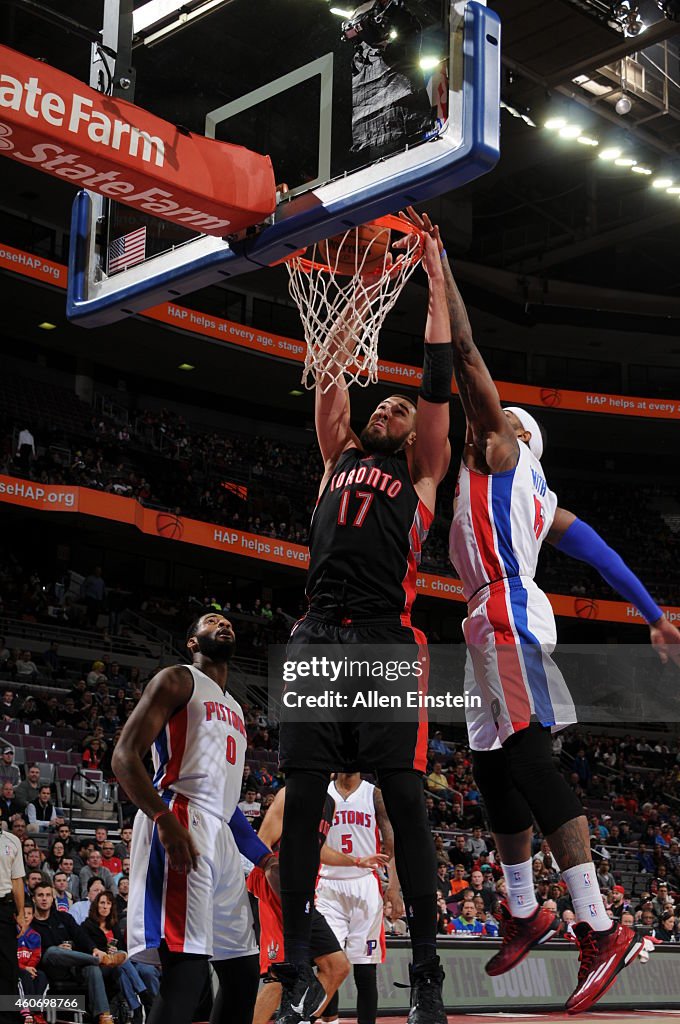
[169, 526]
[57, 124]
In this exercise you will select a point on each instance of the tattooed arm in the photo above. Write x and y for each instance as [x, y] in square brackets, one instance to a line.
[488, 428]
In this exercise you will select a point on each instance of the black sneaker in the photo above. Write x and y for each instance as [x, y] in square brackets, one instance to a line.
[303, 994]
[427, 1006]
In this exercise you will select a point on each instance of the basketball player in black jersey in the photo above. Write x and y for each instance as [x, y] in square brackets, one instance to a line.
[376, 502]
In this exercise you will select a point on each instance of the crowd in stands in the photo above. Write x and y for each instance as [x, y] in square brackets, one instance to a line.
[269, 487]
[77, 884]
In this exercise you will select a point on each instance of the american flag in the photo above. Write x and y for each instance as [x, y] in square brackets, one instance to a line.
[126, 251]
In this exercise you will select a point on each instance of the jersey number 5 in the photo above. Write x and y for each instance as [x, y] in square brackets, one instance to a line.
[365, 497]
[346, 843]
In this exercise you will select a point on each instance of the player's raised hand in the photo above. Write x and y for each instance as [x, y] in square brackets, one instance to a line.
[177, 840]
[433, 246]
[376, 860]
[665, 638]
[424, 225]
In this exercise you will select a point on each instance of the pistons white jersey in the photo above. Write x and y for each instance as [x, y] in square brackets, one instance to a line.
[499, 522]
[354, 830]
[201, 751]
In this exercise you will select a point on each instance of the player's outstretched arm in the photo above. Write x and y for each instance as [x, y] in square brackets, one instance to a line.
[575, 538]
[491, 433]
[331, 400]
[431, 450]
[166, 693]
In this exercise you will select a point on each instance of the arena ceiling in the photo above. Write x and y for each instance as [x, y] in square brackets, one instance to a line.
[552, 238]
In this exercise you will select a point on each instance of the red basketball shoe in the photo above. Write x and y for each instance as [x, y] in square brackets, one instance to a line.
[602, 956]
[520, 935]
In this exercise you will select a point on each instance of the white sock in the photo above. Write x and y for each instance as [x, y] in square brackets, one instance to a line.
[519, 882]
[584, 890]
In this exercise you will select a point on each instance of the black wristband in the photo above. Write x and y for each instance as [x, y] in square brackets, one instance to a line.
[437, 372]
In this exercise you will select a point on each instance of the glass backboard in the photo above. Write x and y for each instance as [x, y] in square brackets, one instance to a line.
[362, 110]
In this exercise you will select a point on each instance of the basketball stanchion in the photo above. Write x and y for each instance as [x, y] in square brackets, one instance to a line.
[344, 287]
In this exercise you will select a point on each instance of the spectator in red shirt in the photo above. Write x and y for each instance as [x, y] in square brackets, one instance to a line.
[29, 952]
[93, 754]
[109, 859]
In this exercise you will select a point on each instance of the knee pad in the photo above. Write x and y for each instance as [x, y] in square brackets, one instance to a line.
[507, 810]
[536, 776]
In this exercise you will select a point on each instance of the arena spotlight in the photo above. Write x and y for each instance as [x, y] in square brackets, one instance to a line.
[674, 191]
[186, 366]
[626, 14]
[570, 131]
[639, 169]
[585, 140]
[429, 63]
[662, 183]
[555, 123]
[625, 161]
[623, 105]
[612, 153]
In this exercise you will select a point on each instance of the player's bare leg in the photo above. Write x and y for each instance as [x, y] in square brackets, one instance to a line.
[535, 925]
[268, 999]
[332, 969]
[605, 947]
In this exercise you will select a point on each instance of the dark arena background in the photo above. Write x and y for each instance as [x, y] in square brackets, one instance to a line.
[163, 465]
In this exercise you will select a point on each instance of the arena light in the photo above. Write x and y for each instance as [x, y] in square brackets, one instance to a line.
[570, 131]
[585, 140]
[662, 183]
[625, 161]
[555, 123]
[674, 191]
[341, 13]
[429, 63]
[612, 153]
[186, 366]
[46, 326]
[295, 393]
[155, 14]
[639, 169]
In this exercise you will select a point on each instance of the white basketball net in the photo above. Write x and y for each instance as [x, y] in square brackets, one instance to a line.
[342, 315]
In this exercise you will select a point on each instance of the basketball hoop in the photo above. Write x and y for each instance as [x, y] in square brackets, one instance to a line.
[344, 287]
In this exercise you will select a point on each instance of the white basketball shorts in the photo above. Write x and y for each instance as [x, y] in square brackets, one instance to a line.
[510, 635]
[203, 911]
[353, 907]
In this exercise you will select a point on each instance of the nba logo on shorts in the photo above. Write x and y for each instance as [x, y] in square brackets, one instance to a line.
[370, 947]
[586, 878]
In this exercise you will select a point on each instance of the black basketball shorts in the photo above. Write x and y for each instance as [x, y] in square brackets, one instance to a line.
[371, 742]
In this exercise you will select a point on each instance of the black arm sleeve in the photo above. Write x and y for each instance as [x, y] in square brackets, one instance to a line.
[437, 373]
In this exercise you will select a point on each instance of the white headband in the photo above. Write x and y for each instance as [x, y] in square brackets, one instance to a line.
[530, 424]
